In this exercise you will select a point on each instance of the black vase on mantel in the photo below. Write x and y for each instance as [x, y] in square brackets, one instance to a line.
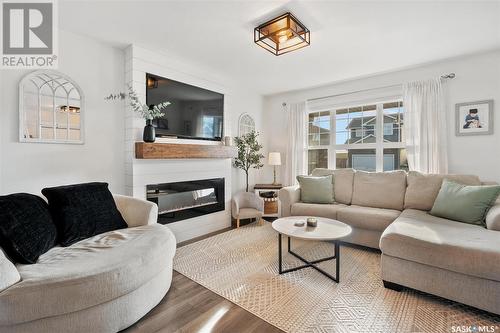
[149, 134]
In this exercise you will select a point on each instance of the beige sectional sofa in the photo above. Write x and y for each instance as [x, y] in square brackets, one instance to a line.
[389, 211]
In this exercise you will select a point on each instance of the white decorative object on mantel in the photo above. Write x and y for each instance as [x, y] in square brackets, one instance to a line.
[51, 108]
[246, 124]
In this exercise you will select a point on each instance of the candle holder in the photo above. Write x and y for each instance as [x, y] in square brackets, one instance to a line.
[312, 222]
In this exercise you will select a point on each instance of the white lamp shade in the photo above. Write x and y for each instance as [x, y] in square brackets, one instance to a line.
[274, 158]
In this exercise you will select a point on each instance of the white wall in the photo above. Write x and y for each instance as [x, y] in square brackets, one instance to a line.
[29, 167]
[478, 78]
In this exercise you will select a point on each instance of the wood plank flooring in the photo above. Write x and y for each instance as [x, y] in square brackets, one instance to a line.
[190, 307]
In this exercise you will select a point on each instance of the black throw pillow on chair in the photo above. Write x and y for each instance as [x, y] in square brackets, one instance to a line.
[83, 210]
[26, 227]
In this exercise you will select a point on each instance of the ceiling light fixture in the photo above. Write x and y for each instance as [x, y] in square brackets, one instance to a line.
[282, 34]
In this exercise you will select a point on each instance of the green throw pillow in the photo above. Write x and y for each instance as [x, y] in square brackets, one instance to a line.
[468, 204]
[316, 189]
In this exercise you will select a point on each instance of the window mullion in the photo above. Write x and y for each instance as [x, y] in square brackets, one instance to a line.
[379, 135]
[333, 141]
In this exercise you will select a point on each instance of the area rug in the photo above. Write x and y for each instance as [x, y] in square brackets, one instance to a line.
[241, 265]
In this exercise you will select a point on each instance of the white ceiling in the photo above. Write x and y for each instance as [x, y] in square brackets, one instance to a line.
[348, 38]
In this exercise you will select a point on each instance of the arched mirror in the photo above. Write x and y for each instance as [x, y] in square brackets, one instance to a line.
[246, 124]
[50, 108]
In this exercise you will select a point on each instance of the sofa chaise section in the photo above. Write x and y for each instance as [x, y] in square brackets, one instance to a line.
[454, 260]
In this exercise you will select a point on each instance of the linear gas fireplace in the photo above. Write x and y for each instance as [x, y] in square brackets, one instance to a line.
[184, 200]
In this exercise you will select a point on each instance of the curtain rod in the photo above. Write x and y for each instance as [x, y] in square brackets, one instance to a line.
[448, 76]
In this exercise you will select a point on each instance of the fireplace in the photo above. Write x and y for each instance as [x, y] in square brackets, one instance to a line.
[184, 200]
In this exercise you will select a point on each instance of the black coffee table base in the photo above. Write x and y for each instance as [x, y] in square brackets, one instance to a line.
[310, 263]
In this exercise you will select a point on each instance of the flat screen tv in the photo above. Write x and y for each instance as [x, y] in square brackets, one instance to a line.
[194, 113]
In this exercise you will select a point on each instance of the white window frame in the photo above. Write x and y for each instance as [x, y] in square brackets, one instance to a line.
[379, 146]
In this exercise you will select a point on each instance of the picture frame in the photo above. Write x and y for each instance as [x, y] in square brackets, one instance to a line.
[474, 118]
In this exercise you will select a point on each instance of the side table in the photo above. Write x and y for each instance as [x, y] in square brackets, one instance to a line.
[269, 193]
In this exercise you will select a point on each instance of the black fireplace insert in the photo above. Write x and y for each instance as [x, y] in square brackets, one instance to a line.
[184, 200]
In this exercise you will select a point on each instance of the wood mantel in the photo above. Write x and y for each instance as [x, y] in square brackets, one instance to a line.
[144, 150]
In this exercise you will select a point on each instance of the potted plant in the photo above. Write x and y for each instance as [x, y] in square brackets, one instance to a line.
[147, 112]
[249, 154]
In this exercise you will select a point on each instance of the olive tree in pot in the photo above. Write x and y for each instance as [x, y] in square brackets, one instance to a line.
[249, 155]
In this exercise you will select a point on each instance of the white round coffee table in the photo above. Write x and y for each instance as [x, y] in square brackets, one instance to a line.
[326, 230]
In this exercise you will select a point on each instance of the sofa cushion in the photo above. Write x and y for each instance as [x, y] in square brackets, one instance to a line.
[26, 227]
[321, 210]
[81, 211]
[468, 204]
[463, 248]
[343, 180]
[316, 189]
[8, 272]
[379, 189]
[367, 217]
[423, 189]
[87, 273]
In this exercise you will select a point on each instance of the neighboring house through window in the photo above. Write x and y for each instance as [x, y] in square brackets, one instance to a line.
[367, 137]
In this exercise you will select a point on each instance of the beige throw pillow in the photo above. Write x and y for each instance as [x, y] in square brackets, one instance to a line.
[379, 189]
[343, 179]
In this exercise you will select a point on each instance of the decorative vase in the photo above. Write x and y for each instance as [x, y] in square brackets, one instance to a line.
[149, 134]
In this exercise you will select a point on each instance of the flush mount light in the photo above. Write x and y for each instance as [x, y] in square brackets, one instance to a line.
[282, 34]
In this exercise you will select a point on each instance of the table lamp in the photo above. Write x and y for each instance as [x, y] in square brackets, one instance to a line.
[274, 160]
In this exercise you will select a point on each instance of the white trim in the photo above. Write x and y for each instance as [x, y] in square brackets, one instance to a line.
[379, 134]
[372, 96]
[332, 154]
[387, 99]
[357, 146]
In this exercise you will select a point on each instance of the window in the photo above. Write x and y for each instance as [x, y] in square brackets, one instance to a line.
[388, 129]
[366, 137]
[319, 129]
[212, 126]
[393, 121]
[317, 158]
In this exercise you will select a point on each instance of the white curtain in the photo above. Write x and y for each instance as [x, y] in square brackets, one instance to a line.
[425, 127]
[295, 159]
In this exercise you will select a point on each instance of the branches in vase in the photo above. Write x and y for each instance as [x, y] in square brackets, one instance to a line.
[147, 112]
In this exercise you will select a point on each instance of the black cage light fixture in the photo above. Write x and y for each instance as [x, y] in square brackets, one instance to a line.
[282, 34]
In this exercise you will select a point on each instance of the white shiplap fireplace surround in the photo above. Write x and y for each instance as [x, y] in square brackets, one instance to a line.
[141, 172]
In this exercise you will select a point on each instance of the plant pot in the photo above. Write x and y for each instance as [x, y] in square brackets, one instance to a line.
[149, 134]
